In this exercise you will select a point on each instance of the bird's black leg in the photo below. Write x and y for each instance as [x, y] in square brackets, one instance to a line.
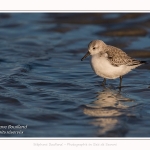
[120, 81]
[104, 82]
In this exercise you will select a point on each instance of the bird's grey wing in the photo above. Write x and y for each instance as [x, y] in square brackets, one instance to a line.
[117, 57]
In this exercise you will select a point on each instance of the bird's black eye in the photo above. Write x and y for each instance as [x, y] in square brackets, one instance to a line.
[94, 48]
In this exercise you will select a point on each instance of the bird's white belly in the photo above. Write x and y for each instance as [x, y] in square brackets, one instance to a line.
[102, 67]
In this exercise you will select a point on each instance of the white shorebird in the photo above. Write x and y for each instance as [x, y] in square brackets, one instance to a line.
[110, 62]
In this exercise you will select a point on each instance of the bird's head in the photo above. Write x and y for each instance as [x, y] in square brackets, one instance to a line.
[95, 47]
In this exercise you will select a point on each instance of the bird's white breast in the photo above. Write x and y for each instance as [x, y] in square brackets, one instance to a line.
[102, 67]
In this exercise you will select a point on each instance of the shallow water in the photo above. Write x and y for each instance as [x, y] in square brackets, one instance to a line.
[45, 87]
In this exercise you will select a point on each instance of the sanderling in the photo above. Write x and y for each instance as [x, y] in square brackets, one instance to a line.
[110, 62]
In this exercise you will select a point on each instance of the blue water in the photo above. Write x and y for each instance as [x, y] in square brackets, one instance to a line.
[46, 88]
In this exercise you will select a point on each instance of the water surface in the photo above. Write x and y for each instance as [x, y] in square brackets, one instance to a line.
[45, 86]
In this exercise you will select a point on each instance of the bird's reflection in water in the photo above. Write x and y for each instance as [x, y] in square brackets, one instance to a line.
[110, 111]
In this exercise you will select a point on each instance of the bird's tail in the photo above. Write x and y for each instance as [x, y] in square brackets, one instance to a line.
[136, 62]
[143, 62]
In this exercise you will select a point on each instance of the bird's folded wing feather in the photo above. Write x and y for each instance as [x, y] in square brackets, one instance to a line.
[117, 57]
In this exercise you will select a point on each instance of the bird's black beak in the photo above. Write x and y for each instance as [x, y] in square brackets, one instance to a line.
[86, 55]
